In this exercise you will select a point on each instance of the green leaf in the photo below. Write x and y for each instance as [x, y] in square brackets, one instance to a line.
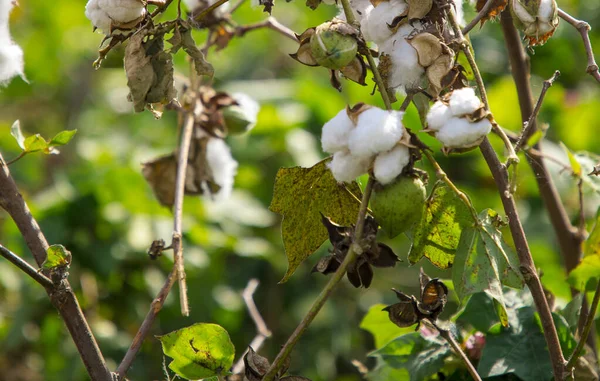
[437, 235]
[57, 256]
[484, 262]
[421, 102]
[479, 312]
[62, 138]
[587, 274]
[592, 243]
[35, 143]
[15, 131]
[520, 349]
[378, 323]
[422, 357]
[565, 336]
[384, 372]
[575, 166]
[300, 195]
[572, 310]
[535, 138]
[199, 351]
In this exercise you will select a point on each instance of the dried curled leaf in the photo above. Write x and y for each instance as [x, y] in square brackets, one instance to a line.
[139, 70]
[188, 44]
[494, 12]
[418, 9]
[428, 48]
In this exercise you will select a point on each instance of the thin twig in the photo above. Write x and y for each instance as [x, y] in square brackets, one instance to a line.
[182, 161]
[236, 6]
[207, 10]
[500, 174]
[26, 268]
[586, 330]
[271, 23]
[484, 11]
[447, 335]
[584, 29]
[146, 325]
[23, 153]
[263, 331]
[529, 126]
[582, 230]
[353, 252]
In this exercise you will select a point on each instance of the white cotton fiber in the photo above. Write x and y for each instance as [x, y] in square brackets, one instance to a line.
[388, 165]
[406, 71]
[464, 101]
[106, 13]
[438, 114]
[336, 132]
[222, 165]
[460, 13]
[248, 106]
[374, 24]
[376, 131]
[11, 54]
[346, 167]
[460, 133]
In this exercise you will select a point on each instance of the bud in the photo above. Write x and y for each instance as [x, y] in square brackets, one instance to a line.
[241, 117]
[332, 47]
[537, 19]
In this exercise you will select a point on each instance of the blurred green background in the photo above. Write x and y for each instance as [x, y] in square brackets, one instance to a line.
[92, 197]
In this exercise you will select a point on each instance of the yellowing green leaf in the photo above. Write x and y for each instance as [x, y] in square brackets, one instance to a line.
[587, 274]
[300, 196]
[15, 131]
[62, 138]
[57, 256]
[592, 243]
[199, 351]
[575, 166]
[35, 143]
[437, 235]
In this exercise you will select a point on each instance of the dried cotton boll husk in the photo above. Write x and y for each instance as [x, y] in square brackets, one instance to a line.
[460, 133]
[376, 131]
[336, 133]
[438, 114]
[374, 25]
[464, 101]
[389, 165]
[222, 165]
[346, 167]
[405, 70]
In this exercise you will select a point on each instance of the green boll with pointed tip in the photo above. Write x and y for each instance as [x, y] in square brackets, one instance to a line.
[332, 49]
[399, 205]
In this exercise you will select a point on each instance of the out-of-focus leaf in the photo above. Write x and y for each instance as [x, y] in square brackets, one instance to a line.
[575, 166]
[571, 312]
[62, 138]
[378, 323]
[437, 235]
[565, 336]
[484, 262]
[587, 274]
[422, 357]
[189, 46]
[421, 102]
[300, 196]
[384, 372]
[535, 138]
[57, 256]
[15, 131]
[592, 243]
[479, 312]
[139, 70]
[35, 143]
[199, 351]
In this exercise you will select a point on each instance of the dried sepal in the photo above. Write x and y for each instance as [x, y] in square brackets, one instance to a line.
[356, 70]
[494, 12]
[437, 71]
[256, 366]
[304, 55]
[538, 22]
[428, 48]
[418, 9]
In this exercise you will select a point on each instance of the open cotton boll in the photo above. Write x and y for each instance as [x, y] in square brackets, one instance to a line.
[405, 71]
[376, 131]
[460, 13]
[106, 13]
[464, 101]
[222, 165]
[460, 133]
[388, 165]
[438, 114]
[249, 107]
[374, 24]
[336, 132]
[11, 54]
[346, 167]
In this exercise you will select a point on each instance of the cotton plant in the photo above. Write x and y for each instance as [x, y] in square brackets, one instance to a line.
[364, 138]
[11, 54]
[537, 19]
[459, 120]
[113, 15]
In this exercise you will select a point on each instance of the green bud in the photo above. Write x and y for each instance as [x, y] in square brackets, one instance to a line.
[398, 206]
[237, 120]
[331, 48]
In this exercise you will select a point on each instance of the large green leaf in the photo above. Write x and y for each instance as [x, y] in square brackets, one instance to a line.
[422, 357]
[484, 262]
[199, 351]
[586, 275]
[437, 235]
[378, 323]
[300, 195]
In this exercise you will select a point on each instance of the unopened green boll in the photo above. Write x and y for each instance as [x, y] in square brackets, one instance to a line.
[537, 19]
[332, 49]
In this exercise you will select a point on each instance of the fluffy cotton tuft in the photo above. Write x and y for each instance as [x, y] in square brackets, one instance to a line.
[464, 101]
[460, 13]
[222, 165]
[388, 165]
[375, 21]
[406, 71]
[336, 133]
[249, 107]
[105, 14]
[460, 133]
[346, 167]
[438, 114]
[11, 54]
[376, 131]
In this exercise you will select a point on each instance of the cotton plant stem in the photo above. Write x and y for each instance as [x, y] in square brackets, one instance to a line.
[270, 23]
[26, 268]
[500, 175]
[353, 252]
[589, 323]
[484, 11]
[62, 296]
[584, 30]
[447, 335]
[568, 237]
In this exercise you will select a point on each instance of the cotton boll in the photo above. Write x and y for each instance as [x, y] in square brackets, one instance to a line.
[388, 165]
[438, 114]
[376, 131]
[374, 24]
[105, 14]
[464, 101]
[222, 165]
[346, 167]
[11, 62]
[336, 133]
[460, 13]
[406, 71]
[460, 133]
[249, 108]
